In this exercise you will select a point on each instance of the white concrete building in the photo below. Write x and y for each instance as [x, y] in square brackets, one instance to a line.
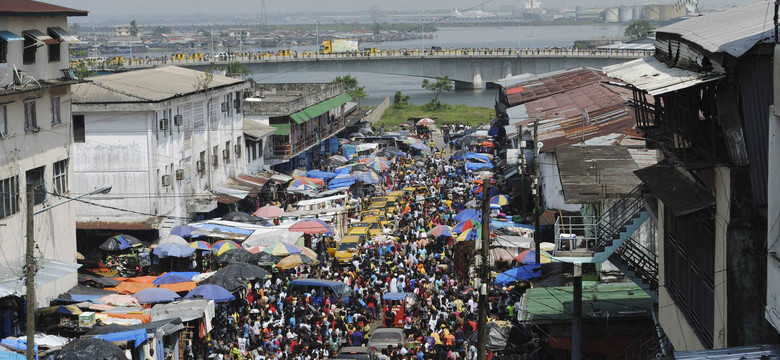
[35, 146]
[167, 139]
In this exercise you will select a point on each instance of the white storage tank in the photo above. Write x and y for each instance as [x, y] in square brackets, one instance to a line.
[612, 15]
[637, 12]
[626, 14]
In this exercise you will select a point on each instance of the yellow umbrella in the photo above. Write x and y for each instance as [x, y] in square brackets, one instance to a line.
[294, 260]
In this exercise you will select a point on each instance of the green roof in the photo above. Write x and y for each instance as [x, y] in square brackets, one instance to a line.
[316, 110]
[617, 300]
[281, 129]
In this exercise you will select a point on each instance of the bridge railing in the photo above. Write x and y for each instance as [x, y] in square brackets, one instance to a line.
[260, 57]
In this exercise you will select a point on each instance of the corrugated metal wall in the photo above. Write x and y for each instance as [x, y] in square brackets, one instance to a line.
[754, 74]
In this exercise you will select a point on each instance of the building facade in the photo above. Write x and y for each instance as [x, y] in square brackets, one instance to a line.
[168, 139]
[35, 144]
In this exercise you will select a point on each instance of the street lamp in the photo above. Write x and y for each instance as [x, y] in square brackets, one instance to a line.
[30, 258]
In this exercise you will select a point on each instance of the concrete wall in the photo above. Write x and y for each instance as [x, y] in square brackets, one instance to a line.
[300, 96]
[126, 148]
[552, 190]
[468, 70]
[772, 313]
[375, 115]
[42, 69]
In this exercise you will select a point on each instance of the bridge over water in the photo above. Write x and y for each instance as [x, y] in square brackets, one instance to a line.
[470, 69]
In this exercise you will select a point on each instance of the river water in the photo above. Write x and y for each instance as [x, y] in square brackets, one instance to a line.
[379, 86]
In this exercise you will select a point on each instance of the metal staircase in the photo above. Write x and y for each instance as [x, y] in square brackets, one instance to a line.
[605, 235]
[639, 264]
[648, 346]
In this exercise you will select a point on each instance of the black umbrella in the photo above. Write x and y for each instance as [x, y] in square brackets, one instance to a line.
[229, 283]
[239, 216]
[470, 140]
[459, 155]
[242, 271]
[120, 242]
[265, 258]
[235, 256]
[90, 349]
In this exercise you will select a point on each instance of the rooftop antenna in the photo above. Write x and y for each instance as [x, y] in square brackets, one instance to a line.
[263, 16]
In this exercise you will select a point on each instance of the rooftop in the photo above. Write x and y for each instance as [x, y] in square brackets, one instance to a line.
[287, 99]
[733, 31]
[36, 8]
[145, 86]
[544, 85]
[599, 301]
[592, 173]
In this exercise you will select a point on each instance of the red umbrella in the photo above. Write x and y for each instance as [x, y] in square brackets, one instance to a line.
[311, 226]
[426, 121]
[269, 211]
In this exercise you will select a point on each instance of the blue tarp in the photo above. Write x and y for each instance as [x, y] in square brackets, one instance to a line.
[480, 157]
[137, 336]
[526, 272]
[324, 175]
[82, 298]
[17, 344]
[7, 355]
[394, 296]
[468, 214]
[187, 274]
[366, 179]
[342, 171]
[348, 150]
[224, 229]
[341, 181]
[502, 224]
[473, 166]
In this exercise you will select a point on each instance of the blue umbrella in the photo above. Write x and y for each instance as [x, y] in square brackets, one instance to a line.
[182, 230]
[419, 146]
[468, 214]
[156, 295]
[170, 278]
[493, 192]
[173, 250]
[316, 174]
[211, 292]
[527, 272]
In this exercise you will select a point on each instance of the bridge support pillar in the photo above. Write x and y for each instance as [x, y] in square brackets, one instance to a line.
[507, 69]
[476, 76]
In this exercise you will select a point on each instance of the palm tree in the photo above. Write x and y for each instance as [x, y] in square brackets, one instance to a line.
[133, 28]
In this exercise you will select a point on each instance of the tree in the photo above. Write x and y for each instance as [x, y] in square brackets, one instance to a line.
[400, 100]
[204, 32]
[237, 68]
[639, 29]
[351, 87]
[161, 30]
[441, 85]
[377, 28]
[133, 28]
[84, 68]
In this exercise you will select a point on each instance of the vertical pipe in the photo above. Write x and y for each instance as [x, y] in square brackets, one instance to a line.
[576, 322]
[484, 271]
[30, 273]
[537, 205]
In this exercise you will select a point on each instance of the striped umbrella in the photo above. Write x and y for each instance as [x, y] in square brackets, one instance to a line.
[308, 252]
[200, 245]
[294, 260]
[282, 249]
[441, 230]
[256, 249]
[412, 141]
[220, 247]
[470, 234]
[302, 180]
[312, 226]
[465, 225]
[499, 200]
[378, 165]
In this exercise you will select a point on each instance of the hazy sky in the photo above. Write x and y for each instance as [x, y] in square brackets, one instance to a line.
[172, 8]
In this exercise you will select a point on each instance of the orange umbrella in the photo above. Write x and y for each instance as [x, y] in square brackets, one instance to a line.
[130, 287]
[180, 287]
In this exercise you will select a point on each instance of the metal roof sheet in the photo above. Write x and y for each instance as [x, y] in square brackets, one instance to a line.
[147, 85]
[752, 352]
[257, 129]
[674, 189]
[36, 8]
[551, 83]
[733, 31]
[651, 75]
[12, 277]
[616, 300]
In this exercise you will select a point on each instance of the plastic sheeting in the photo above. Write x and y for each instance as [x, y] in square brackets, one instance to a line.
[270, 236]
[90, 349]
[341, 181]
[186, 310]
[472, 166]
[137, 336]
[325, 175]
[497, 337]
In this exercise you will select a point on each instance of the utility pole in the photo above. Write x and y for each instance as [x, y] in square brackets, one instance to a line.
[576, 321]
[538, 193]
[484, 270]
[29, 270]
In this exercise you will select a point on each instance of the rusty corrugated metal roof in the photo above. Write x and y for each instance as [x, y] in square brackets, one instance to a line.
[36, 8]
[548, 84]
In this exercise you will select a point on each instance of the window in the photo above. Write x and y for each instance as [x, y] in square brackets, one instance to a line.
[60, 177]
[30, 120]
[238, 147]
[197, 111]
[79, 132]
[3, 51]
[259, 148]
[3, 120]
[55, 110]
[238, 102]
[215, 156]
[30, 47]
[229, 101]
[227, 152]
[201, 166]
[54, 49]
[9, 196]
[35, 178]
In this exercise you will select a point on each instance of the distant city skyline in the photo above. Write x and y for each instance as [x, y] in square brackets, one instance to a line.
[173, 8]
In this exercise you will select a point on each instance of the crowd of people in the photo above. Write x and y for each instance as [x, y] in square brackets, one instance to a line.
[275, 321]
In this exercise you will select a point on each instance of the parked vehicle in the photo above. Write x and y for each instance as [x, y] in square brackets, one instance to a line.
[339, 46]
[321, 288]
[385, 337]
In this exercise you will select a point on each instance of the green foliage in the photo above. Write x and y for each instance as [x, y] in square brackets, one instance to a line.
[351, 87]
[237, 68]
[160, 30]
[204, 32]
[400, 100]
[223, 34]
[441, 85]
[377, 28]
[84, 69]
[133, 28]
[639, 29]
[447, 115]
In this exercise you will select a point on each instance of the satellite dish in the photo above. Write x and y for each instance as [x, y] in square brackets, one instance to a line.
[585, 117]
[539, 145]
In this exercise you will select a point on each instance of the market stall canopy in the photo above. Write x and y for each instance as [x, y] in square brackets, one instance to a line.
[243, 271]
[173, 250]
[182, 230]
[269, 211]
[186, 310]
[270, 236]
[173, 239]
[156, 295]
[522, 273]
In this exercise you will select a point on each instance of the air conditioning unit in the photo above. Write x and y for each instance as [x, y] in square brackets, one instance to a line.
[237, 149]
[166, 180]
[225, 107]
[215, 160]
[163, 124]
[179, 174]
[226, 154]
[178, 120]
[200, 166]
[237, 103]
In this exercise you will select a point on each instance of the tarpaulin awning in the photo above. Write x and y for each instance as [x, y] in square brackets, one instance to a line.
[47, 271]
[165, 327]
[364, 147]
[130, 287]
[40, 37]
[138, 336]
[652, 75]
[281, 129]
[319, 109]
[63, 36]
[230, 193]
[9, 36]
